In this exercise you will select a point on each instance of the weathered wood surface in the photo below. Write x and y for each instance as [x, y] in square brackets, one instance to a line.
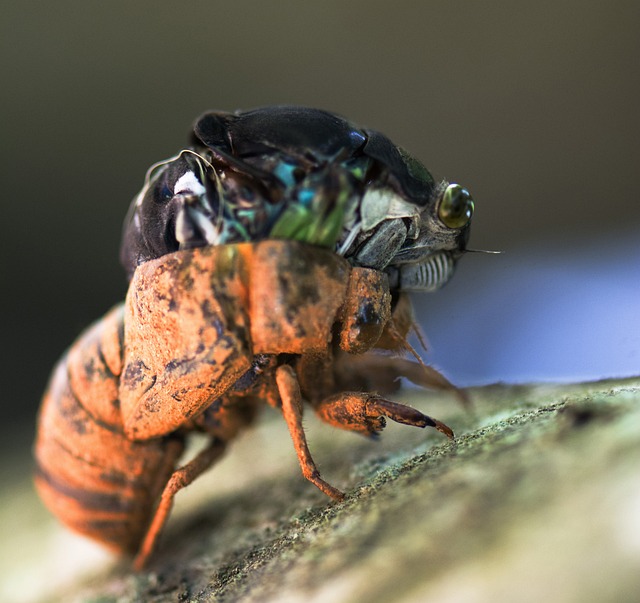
[537, 499]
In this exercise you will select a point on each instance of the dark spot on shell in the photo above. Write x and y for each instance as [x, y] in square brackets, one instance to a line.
[135, 373]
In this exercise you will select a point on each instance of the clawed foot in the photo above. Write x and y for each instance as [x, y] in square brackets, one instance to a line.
[366, 413]
[400, 413]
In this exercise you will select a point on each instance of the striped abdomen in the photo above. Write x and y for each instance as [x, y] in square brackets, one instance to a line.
[88, 473]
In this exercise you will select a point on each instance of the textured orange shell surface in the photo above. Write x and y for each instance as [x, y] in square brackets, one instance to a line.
[89, 474]
[94, 362]
[186, 340]
[366, 310]
[295, 294]
[188, 337]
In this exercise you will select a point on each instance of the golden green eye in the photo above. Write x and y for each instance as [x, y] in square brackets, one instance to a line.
[456, 207]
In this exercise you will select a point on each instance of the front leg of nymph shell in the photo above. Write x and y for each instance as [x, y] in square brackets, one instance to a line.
[365, 413]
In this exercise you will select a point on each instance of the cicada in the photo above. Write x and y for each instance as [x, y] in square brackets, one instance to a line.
[269, 263]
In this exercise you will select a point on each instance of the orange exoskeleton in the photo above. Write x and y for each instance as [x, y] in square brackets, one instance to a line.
[271, 274]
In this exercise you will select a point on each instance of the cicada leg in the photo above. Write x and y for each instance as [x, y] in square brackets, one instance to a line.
[291, 397]
[179, 479]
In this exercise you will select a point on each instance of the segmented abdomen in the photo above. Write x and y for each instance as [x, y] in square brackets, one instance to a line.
[88, 473]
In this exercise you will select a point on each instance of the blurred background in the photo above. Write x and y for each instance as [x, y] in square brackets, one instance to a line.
[532, 106]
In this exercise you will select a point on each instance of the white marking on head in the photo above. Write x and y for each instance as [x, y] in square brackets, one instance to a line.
[188, 183]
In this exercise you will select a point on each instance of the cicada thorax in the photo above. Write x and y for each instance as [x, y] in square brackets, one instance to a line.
[89, 473]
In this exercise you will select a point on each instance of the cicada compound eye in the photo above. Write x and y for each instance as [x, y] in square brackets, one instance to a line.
[456, 207]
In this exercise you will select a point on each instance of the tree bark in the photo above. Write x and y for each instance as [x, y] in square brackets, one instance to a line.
[537, 499]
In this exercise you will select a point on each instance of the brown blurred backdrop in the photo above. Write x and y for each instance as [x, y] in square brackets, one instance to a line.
[533, 106]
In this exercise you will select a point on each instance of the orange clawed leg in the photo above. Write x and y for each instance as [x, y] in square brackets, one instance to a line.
[289, 390]
[180, 478]
[365, 413]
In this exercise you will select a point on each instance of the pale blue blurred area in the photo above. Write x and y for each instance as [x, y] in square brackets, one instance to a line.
[563, 311]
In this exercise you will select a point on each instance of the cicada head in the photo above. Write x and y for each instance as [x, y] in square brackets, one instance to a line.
[427, 260]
